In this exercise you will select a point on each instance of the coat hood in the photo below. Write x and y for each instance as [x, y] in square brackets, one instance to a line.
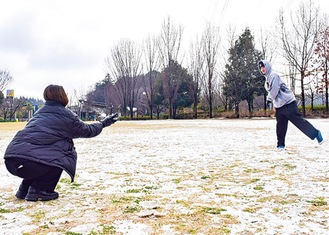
[267, 65]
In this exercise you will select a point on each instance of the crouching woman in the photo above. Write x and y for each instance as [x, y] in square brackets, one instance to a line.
[44, 148]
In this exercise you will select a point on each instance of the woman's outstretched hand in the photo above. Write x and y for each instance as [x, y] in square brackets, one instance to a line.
[109, 120]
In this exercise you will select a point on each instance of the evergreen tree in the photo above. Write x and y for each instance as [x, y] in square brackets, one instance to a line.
[159, 100]
[172, 78]
[184, 98]
[241, 75]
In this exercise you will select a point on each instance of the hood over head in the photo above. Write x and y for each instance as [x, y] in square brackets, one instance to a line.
[267, 65]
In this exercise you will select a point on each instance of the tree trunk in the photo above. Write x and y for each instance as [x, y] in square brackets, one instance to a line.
[303, 92]
[265, 103]
[327, 109]
[195, 109]
[170, 109]
[210, 97]
[237, 110]
[326, 84]
[312, 102]
[151, 111]
[250, 108]
[174, 111]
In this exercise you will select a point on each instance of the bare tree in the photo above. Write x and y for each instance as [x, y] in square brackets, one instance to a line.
[292, 74]
[210, 44]
[78, 94]
[197, 70]
[10, 106]
[169, 47]
[268, 45]
[151, 51]
[2, 97]
[125, 66]
[322, 58]
[5, 79]
[299, 41]
[111, 96]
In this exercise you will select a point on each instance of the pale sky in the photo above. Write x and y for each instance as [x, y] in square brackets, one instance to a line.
[65, 42]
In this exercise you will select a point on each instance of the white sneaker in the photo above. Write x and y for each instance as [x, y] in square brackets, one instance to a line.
[281, 148]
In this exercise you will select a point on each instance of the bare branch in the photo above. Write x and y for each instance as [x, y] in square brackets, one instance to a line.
[5, 79]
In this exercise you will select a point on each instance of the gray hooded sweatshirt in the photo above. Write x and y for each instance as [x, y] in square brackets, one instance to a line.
[278, 92]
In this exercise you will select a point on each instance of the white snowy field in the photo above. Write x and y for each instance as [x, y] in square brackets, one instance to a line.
[181, 177]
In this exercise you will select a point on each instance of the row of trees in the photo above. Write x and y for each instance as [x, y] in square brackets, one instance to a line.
[12, 108]
[157, 76]
[305, 45]
[168, 85]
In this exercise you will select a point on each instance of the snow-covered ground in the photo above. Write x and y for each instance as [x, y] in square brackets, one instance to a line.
[182, 177]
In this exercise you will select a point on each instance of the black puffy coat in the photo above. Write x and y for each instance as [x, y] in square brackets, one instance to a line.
[48, 137]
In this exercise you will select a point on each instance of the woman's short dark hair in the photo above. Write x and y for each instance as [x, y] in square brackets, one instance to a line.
[56, 93]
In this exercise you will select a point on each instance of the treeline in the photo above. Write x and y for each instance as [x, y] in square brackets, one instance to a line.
[156, 77]
[175, 87]
[21, 108]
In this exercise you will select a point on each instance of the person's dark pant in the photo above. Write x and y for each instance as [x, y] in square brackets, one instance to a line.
[34, 174]
[291, 113]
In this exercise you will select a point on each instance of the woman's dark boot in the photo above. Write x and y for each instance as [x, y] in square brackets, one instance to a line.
[35, 194]
[22, 191]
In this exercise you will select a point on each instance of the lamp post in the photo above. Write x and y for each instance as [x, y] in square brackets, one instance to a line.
[144, 107]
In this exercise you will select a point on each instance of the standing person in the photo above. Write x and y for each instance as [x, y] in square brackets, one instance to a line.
[285, 106]
[44, 148]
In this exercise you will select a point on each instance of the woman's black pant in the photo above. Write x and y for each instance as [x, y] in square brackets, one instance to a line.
[34, 174]
[291, 113]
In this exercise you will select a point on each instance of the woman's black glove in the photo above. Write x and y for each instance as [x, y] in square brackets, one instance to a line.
[109, 120]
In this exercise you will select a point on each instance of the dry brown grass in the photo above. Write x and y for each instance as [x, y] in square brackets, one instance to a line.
[11, 126]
